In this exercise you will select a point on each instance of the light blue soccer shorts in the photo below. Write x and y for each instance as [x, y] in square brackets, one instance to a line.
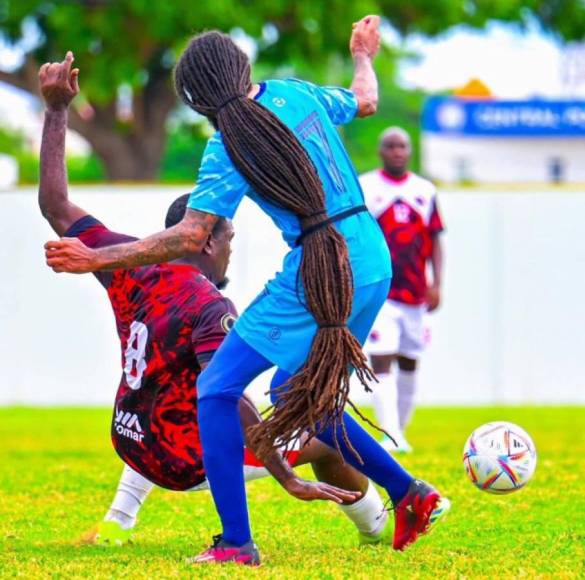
[280, 328]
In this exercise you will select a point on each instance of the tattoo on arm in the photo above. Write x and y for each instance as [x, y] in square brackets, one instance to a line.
[365, 85]
[188, 236]
[53, 197]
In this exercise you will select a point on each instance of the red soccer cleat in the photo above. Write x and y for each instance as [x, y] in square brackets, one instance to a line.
[220, 552]
[420, 509]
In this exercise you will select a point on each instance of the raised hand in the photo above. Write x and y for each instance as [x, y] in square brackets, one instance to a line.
[365, 37]
[364, 45]
[59, 83]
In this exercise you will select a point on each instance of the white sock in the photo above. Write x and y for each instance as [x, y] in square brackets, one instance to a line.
[132, 491]
[386, 403]
[368, 513]
[407, 383]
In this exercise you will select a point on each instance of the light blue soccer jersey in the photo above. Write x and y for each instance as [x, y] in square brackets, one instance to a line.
[312, 113]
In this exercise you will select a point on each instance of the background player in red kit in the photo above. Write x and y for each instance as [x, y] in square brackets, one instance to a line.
[170, 319]
[405, 206]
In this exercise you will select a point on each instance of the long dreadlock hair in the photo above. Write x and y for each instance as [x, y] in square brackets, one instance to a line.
[213, 78]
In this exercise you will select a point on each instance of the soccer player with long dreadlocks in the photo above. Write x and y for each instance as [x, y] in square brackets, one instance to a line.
[276, 143]
[170, 319]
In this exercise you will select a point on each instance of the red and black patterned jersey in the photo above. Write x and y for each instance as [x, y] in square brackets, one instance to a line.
[170, 319]
[407, 212]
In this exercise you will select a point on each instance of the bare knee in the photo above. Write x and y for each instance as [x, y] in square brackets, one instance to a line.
[381, 364]
[406, 364]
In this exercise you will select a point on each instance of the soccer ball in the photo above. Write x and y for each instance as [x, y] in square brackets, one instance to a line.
[499, 457]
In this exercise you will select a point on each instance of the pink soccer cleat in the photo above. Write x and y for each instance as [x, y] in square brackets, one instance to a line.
[221, 552]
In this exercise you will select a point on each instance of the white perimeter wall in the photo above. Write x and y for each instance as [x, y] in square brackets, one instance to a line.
[510, 330]
[492, 160]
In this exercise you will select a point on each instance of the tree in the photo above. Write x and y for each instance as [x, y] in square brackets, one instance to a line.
[126, 50]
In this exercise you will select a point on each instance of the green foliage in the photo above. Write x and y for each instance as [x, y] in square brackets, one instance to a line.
[11, 142]
[59, 474]
[79, 169]
[121, 42]
[184, 149]
[401, 108]
[84, 169]
[28, 168]
[134, 43]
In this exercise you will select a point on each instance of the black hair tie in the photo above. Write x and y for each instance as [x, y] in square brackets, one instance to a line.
[228, 101]
[334, 218]
[315, 214]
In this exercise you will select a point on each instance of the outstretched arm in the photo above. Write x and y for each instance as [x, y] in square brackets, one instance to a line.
[284, 474]
[188, 236]
[364, 45]
[59, 86]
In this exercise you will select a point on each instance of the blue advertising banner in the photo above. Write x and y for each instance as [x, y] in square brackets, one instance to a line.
[485, 118]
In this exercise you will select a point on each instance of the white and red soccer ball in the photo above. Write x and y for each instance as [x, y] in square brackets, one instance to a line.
[499, 457]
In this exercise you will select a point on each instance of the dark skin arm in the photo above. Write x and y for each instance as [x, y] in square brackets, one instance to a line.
[283, 473]
[436, 259]
[187, 237]
[58, 86]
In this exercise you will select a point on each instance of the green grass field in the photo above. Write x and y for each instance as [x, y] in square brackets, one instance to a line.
[58, 474]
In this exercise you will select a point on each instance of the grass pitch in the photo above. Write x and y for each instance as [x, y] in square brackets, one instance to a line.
[58, 474]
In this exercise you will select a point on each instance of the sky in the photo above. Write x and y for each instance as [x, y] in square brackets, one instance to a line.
[513, 64]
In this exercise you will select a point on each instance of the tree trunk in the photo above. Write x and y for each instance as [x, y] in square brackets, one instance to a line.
[129, 151]
[122, 162]
[134, 151]
[125, 157]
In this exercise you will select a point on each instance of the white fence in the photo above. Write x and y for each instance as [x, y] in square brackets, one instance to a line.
[510, 329]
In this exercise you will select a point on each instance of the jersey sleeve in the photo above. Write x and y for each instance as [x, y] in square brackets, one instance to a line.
[220, 186]
[95, 234]
[341, 104]
[211, 327]
[435, 221]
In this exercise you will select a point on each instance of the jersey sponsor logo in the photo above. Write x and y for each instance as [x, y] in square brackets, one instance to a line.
[227, 322]
[451, 116]
[127, 425]
[401, 213]
[274, 333]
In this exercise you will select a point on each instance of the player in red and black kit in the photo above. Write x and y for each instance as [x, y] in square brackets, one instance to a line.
[405, 206]
[170, 319]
